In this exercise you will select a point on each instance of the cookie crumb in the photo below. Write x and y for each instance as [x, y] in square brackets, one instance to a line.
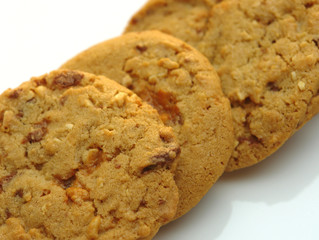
[69, 126]
[93, 228]
[27, 197]
[40, 91]
[127, 81]
[153, 79]
[77, 195]
[166, 134]
[120, 99]
[168, 63]
[301, 85]
[57, 140]
[91, 157]
[293, 76]
[8, 120]
[100, 182]
[30, 95]
[144, 231]
[172, 155]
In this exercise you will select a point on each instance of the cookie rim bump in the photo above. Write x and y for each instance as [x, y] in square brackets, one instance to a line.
[82, 157]
[183, 86]
[284, 42]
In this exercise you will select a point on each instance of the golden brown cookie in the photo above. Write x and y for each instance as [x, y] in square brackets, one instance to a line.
[182, 85]
[266, 54]
[82, 157]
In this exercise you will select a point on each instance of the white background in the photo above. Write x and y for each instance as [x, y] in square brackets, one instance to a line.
[277, 199]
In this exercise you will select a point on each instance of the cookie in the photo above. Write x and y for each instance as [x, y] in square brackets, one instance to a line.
[266, 55]
[82, 157]
[182, 85]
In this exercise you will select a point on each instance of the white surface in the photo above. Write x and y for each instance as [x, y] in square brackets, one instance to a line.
[277, 199]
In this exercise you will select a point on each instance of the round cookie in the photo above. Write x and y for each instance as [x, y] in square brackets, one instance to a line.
[182, 85]
[266, 54]
[82, 157]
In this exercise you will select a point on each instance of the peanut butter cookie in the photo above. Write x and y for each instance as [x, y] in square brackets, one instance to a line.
[82, 157]
[266, 54]
[182, 85]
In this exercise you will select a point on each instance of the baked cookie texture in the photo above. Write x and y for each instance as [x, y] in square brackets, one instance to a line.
[82, 157]
[266, 54]
[182, 85]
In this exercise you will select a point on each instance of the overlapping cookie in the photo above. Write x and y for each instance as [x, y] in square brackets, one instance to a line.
[266, 54]
[182, 85]
[82, 157]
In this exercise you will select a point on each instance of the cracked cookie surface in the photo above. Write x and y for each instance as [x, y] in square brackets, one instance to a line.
[266, 55]
[82, 157]
[182, 85]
